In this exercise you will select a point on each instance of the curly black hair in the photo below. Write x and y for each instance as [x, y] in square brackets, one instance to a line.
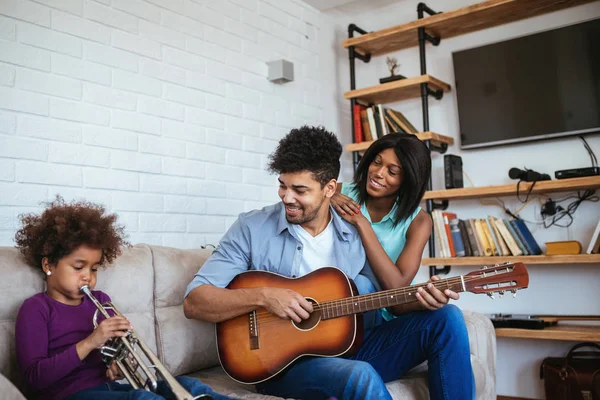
[63, 227]
[311, 149]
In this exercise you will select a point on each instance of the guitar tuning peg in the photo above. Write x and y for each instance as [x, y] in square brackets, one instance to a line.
[501, 293]
[484, 267]
[491, 295]
[514, 292]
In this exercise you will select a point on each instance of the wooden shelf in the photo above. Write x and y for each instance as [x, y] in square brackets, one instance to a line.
[436, 138]
[558, 185]
[579, 333]
[395, 91]
[454, 23]
[557, 259]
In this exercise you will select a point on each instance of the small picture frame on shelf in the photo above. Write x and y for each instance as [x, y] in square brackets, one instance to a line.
[392, 64]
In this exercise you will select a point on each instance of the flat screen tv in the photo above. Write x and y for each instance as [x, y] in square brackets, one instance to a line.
[535, 87]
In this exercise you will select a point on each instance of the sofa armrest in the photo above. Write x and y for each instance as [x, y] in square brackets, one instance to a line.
[9, 391]
[482, 340]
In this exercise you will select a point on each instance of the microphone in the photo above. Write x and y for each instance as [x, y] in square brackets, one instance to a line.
[527, 175]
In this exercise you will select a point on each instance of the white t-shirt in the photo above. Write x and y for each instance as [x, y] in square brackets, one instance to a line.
[317, 251]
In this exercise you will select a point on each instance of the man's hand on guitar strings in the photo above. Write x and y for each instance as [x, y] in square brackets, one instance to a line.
[433, 298]
[286, 304]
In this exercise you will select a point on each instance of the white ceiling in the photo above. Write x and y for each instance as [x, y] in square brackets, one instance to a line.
[350, 7]
[327, 4]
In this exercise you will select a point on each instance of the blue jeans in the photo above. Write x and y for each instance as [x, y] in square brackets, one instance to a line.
[118, 391]
[389, 351]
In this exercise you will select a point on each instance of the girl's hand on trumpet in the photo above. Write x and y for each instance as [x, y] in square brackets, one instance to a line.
[114, 373]
[108, 328]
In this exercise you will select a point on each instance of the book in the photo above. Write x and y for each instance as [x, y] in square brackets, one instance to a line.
[381, 115]
[447, 217]
[594, 246]
[358, 131]
[372, 126]
[462, 226]
[491, 237]
[438, 221]
[459, 247]
[516, 237]
[486, 247]
[389, 125]
[364, 118]
[563, 247]
[508, 238]
[403, 122]
[473, 238]
[503, 248]
[377, 120]
[395, 125]
[527, 236]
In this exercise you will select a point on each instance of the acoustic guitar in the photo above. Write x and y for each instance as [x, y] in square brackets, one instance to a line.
[256, 346]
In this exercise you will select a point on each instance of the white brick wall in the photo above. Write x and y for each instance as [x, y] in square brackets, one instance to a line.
[159, 109]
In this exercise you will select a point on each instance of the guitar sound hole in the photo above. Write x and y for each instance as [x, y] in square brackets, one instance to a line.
[312, 320]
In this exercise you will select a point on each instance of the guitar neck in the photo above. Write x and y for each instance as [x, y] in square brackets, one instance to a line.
[386, 298]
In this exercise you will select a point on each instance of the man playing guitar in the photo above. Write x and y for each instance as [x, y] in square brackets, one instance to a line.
[302, 233]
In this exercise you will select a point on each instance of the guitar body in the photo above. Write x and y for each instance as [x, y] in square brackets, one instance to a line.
[256, 346]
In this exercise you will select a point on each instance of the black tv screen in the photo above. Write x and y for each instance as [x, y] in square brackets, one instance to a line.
[535, 87]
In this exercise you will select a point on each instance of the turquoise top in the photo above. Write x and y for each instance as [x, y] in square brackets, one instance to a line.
[392, 238]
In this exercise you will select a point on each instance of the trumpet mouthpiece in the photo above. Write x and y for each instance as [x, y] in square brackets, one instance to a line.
[84, 289]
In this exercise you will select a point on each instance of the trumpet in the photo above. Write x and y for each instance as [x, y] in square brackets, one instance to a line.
[124, 352]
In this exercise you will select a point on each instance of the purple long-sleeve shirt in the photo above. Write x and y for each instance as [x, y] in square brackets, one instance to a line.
[46, 334]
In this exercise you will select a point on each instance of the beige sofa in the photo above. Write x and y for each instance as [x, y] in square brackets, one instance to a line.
[147, 284]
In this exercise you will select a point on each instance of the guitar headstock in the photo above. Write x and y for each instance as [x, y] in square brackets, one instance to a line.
[500, 278]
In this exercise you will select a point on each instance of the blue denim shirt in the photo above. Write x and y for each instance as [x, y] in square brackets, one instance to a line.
[264, 240]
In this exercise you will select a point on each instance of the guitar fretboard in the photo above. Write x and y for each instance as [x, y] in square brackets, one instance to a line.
[386, 298]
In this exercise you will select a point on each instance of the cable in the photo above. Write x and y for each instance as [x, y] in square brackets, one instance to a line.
[527, 202]
[500, 203]
[528, 192]
[588, 195]
[590, 152]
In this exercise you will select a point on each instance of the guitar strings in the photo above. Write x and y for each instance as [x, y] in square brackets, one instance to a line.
[383, 294]
[265, 316]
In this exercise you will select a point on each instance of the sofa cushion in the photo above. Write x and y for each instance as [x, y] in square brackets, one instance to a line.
[129, 282]
[183, 345]
[18, 282]
[9, 391]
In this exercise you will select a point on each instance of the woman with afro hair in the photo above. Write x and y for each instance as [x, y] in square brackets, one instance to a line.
[56, 344]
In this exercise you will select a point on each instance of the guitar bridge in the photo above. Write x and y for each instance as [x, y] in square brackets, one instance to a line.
[253, 330]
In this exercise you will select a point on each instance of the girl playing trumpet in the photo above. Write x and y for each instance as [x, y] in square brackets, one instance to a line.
[56, 344]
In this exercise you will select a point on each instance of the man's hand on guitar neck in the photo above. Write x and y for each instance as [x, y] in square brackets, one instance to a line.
[286, 304]
[433, 298]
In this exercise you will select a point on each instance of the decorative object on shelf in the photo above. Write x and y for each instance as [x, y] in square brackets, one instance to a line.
[392, 64]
